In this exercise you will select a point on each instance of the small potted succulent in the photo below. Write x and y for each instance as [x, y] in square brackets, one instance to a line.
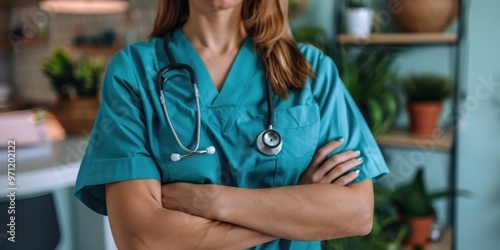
[77, 84]
[425, 94]
[359, 17]
[414, 204]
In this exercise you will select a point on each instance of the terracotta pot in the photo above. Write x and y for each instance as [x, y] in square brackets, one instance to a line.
[76, 116]
[424, 117]
[420, 231]
[424, 15]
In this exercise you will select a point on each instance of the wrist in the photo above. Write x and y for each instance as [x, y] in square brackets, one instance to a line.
[215, 197]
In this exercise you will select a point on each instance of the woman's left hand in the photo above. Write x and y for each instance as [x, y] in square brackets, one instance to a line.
[194, 199]
[334, 170]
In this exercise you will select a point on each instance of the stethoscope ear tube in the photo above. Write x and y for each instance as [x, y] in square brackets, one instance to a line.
[177, 157]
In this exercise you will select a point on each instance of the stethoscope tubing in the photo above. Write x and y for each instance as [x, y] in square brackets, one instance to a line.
[262, 146]
[198, 121]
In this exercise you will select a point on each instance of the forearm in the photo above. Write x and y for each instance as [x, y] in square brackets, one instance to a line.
[307, 212]
[177, 230]
[139, 222]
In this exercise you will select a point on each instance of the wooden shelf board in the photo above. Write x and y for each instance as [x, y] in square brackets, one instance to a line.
[23, 42]
[399, 38]
[95, 49]
[401, 138]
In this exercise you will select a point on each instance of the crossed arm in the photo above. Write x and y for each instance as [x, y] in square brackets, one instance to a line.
[190, 216]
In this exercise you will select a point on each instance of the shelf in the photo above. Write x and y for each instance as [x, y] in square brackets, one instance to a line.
[7, 46]
[96, 50]
[443, 244]
[401, 138]
[399, 38]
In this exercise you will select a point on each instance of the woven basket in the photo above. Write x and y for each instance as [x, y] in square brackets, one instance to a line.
[424, 15]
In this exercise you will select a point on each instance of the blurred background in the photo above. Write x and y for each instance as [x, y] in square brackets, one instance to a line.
[425, 74]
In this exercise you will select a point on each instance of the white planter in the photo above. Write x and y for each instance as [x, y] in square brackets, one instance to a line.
[359, 21]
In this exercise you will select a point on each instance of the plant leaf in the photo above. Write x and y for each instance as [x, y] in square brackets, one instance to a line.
[375, 113]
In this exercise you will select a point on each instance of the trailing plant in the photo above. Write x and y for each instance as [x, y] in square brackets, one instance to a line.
[370, 78]
[73, 79]
[427, 88]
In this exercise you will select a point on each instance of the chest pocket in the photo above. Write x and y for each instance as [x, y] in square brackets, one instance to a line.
[299, 128]
[237, 161]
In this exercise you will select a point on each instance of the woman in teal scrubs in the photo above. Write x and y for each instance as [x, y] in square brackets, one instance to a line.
[318, 187]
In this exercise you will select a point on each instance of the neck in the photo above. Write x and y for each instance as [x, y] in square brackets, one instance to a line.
[217, 30]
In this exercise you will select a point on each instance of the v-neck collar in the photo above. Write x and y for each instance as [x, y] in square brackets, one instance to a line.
[244, 66]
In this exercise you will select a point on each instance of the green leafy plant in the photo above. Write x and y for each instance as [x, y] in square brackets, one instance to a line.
[313, 35]
[387, 231]
[358, 3]
[88, 72]
[296, 7]
[370, 79]
[73, 79]
[413, 199]
[59, 69]
[427, 88]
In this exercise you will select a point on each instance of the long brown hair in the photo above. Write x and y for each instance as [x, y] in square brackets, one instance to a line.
[266, 21]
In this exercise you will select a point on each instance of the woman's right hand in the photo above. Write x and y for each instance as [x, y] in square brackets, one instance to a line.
[332, 170]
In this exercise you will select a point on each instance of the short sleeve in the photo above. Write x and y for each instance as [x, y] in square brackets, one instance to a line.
[118, 148]
[340, 117]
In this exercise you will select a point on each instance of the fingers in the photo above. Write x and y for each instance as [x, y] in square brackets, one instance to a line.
[346, 179]
[323, 152]
[337, 159]
[341, 169]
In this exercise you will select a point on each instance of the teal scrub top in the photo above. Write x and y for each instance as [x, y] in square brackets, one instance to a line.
[131, 138]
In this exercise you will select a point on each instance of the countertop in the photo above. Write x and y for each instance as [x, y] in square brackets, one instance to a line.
[45, 167]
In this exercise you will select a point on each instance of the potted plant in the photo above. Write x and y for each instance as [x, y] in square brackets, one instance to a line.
[425, 94]
[414, 204]
[77, 84]
[359, 17]
[387, 232]
[370, 79]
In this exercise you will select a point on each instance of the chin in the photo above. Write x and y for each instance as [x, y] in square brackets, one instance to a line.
[220, 4]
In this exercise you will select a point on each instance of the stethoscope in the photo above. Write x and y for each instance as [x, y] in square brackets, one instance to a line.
[268, 141]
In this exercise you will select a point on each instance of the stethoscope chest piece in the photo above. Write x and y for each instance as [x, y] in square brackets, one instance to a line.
[269, 142]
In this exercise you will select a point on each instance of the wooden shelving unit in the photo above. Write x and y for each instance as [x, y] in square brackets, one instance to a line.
[402, 138]
[399, 38]
[445, 142]
[96, 50]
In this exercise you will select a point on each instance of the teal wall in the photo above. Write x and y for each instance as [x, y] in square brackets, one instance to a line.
[479, 134]
[479, 147]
